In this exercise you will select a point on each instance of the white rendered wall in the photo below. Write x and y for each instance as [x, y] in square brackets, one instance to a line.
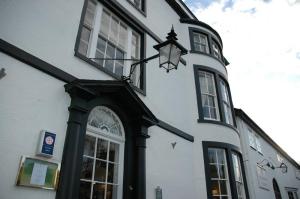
[30, 101]
[48, 30]
[270, 153]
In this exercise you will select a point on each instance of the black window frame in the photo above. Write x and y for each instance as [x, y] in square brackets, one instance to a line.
[143, 9]
[125, 17]
[211, 39]
[229, 150]
[218, 76]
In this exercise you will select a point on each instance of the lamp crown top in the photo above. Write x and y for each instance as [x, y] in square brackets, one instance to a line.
[172, 34]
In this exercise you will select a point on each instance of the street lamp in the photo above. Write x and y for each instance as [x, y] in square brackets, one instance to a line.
[170, 52]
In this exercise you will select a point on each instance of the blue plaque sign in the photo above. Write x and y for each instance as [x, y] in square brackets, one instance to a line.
[47, 142]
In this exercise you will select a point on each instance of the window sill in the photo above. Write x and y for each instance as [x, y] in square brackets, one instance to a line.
[218, 123]
[143, 92]
[137, 8]
[209, 55]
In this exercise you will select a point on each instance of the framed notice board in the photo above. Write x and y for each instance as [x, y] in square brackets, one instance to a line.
[39, 173]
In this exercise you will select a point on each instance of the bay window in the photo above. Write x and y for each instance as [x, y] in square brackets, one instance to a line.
[224, 171]
[213, 97]
[107, 42]
[203, 42]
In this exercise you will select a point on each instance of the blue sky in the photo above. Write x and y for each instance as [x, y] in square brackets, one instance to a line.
[262, 43]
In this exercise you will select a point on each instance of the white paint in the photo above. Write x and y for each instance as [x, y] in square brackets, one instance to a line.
[33, 100]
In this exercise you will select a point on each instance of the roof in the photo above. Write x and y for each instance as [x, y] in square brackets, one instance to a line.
[240, 113]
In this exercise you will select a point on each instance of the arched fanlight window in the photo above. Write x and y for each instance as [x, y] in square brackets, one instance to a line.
[106, 121]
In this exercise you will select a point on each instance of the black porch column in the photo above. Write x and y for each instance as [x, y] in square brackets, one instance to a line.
[68, 187]
[141, 162]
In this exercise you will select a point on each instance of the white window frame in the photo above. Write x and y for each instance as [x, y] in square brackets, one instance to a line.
[258, 144]
[214, 95]
[95, 34]
[111, 138]
[226, 179]
[238, 169]
[227, 107]
[216, 50]
[203, 43]
[252, 140]
[293, 191]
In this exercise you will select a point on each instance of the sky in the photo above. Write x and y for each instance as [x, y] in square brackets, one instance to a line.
[261, 40]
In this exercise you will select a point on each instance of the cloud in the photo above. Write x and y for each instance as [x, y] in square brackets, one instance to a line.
[261, 42]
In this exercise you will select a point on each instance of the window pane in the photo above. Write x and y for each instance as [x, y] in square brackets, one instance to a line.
[206, 112]
[113, 152]
[212, 155]
[113, 34]
[222, 171]
[101, 44]
[210, 84]
[215, 190]
[213, 113]
[223, 186]
[100, 171]
[90, 13]
[203, 84]
[196, 37]
[99, 54]
[123, 37]
[89, 146]
[98, 191]
[110, 51]
[111, 192]
[221, 156]
[104, 27]
[85, 190]
[87, 168]
[102, 149]
[119, 69]
[204, 100]
[109, 64]
[213, 171]
[112, 176]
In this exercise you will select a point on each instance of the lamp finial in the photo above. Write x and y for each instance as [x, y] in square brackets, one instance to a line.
[172, 34]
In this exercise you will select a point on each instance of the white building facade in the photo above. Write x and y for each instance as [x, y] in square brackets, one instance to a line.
[169, 135]
[270, 171]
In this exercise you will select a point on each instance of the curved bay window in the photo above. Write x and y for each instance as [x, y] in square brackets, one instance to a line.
[102, 167]
[225, 178]
[213, 97]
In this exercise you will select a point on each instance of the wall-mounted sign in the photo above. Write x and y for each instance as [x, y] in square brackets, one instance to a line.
[46, 144]
[34, 172]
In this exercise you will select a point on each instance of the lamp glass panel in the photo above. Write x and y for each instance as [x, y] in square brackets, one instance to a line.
[164, 53]
[175, 55]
